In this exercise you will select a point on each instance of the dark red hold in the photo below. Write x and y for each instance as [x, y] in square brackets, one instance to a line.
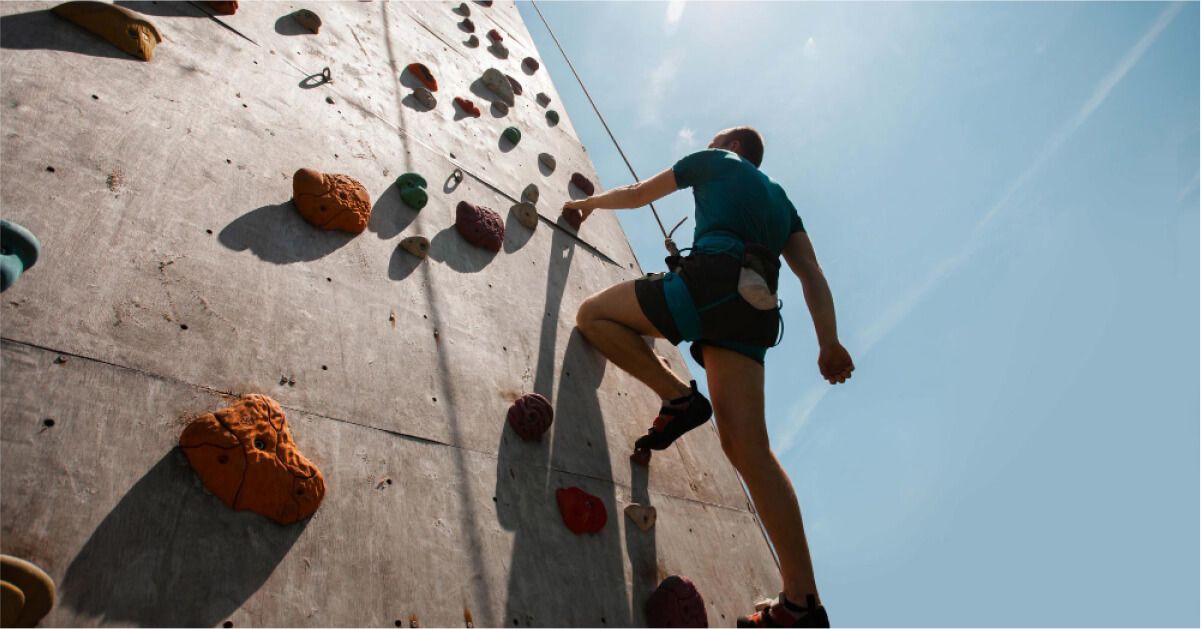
[583, 184]
[468, 107]
[515, 84]
[530, 63]
[494, 35]
[530, 416]
[484, 3]
[424, 75]
[574, 217]
[582, 512]
[480, 226]
[223, 7]
[676, 603]
[641, 457]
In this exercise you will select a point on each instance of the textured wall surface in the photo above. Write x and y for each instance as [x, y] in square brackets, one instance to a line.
[177, 274]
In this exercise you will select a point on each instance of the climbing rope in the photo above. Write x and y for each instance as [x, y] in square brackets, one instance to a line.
[667, 241]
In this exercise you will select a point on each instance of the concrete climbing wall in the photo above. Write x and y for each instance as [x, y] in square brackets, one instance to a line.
[176, 275]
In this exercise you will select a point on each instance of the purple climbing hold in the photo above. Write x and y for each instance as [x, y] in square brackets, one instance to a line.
[480, 226]
[676, 603]
[530, 416]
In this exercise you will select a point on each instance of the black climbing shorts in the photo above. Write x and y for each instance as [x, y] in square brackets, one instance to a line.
[701, 304]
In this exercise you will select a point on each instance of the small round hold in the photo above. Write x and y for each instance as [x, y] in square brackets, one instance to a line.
[463, 9]
[530, 63]
[512, 134]
[495, 36]
[552, 117]
[547, 160]
[530, 194]
[543, 99]
[416, 245]
[472, 42]
[308, 19]
[467, 25]
[526, 214]
[425, 97]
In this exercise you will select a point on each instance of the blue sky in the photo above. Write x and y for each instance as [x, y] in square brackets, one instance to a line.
[1004, 198]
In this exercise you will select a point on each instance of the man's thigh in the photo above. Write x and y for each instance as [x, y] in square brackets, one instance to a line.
[619, 303]
[736, 391]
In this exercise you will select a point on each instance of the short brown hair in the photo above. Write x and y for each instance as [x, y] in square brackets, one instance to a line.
[750, 144]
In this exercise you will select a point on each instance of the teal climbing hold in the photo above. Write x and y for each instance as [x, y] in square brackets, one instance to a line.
[412, 190]
[19, 250]
[512, 134]
[552, 117]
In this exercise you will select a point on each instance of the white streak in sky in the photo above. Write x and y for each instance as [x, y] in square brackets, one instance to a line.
[900, 309]
[675, 10]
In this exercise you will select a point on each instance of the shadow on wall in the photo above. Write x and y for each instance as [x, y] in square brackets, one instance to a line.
[166, 9]
[43, 30]
[390, 215]
[278, 234]
[172, 555]
[555, 576]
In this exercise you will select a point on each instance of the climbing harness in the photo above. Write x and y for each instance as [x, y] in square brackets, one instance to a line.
[667, 241]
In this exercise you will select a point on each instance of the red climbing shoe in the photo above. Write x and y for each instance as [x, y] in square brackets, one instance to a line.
[676, 418]
[783, 613]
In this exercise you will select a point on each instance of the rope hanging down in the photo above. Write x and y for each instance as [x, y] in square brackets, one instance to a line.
[667, 241]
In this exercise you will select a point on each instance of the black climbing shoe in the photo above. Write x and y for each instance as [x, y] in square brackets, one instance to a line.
[676, 418]
[783, 613]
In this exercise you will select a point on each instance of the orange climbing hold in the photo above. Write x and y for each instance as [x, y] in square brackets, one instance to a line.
[224, 7]
[245, 455]
[582, 512]
[331, 201]
[468, 107]
[117, 25]
[424, 75]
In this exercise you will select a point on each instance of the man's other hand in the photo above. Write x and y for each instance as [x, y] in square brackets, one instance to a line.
[835, 363]
[576, 211]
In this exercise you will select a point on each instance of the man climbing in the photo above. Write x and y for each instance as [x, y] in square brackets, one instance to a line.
[744, 222]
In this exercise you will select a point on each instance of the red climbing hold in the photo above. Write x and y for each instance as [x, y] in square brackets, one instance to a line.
[468, 107]
[583, 184]
[480, 226]
[530, 416]
[582, 512]
[531, 63]
[223, 7]
[245, 455]
[676, 603]
[495, 36]
[516, 86]
[424, 75]
[574, 217]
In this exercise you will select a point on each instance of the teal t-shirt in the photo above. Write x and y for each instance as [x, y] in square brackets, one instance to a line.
[734, 197]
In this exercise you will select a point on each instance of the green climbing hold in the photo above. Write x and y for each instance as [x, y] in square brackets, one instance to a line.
[19, 250]
[412, 190]
[512, 135]
[552, 117]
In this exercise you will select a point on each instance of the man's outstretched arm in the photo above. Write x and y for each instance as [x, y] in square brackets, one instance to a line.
[833, 359]
[628, 197]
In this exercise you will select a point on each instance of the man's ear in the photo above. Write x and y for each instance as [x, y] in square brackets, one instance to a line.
[735, 147]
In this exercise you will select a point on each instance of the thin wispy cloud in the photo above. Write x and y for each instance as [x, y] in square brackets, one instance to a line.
[685, 142]
[900, 309]
[660, 77]
[675, 11]
[810, 48]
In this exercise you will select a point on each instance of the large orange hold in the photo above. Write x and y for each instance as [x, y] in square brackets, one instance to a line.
[245, 455]
[331, 201]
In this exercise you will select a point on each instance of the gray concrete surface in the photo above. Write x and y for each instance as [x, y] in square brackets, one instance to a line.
[176, 274]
